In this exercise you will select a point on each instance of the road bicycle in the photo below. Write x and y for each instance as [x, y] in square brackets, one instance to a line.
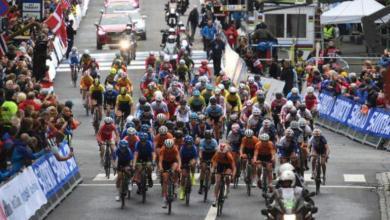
[171, 189]
[125, 191]
[187, 182]
[74, 72]
[221, 194]
[107, 160]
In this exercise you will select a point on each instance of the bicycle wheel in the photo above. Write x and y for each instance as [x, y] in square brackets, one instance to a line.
[123, 190]
[96, 121]
[107, 162]
[221, 197]
[188, 190]
[265, 179]
[206, 186]
[318, 175]
[238, 174]
[143, 186]
[170, 196]
[248, 179]
[301, 163]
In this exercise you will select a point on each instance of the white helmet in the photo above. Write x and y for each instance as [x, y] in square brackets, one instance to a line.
[310, 89]
[129, 119]
[264, 137]
[294, 125]
[159, 98]
[131, 131]
[217, 91]
[294, 90]
[182, 62]
[289, 104]
[169, 143]
[251, 79]
[166, 58]
[288, 175]
[161, 116]
[108, 120]
[86, 52]
[256, 112]
[302, 122]
[163, 130]
[232, 89]
[285, 167]
[248, 132]
[203, 79]
[74, 49]
[266, 122]
[221, 86]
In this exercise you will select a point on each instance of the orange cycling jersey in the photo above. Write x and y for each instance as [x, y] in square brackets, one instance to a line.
[86, 82]
[123, 82]
[132, 140]
[159, 139]
[223, 158]
[249, 143]
[265, 148]
[169, 154]
[179, 142]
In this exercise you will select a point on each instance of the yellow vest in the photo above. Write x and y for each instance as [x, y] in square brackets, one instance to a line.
[328, 33]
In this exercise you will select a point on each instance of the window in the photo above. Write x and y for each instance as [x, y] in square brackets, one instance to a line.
[296, 26]
[275, 24]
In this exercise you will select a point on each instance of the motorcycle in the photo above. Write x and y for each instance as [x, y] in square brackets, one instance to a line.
[127, 48]
[182, 6]
[172, 17]
[289, 204]
[170, 50]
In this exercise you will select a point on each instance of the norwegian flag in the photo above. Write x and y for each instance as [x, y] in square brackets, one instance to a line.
[3, 45]
[57, 24]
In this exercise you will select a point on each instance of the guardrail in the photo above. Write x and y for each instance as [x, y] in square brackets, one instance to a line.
[38, 189]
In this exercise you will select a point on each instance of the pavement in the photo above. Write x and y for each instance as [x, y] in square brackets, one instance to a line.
[350, 192]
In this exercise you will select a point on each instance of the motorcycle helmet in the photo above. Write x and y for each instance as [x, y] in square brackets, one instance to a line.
[287, 179]
[171, 39]
[285, 167]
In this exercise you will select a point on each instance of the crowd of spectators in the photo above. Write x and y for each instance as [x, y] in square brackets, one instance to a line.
[32, 120]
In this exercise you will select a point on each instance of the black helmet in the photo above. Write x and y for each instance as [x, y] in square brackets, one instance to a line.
[278, 95]
[178, 134]
[142, 100]
[69, 104]
[213, 100]
[208, 134]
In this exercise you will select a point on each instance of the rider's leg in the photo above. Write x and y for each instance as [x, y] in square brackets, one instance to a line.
[201, 176]
[227, 181]
[216, 187]
[313, 163]
[323, 165]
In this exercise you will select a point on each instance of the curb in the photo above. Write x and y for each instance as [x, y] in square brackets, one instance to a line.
[384, 194]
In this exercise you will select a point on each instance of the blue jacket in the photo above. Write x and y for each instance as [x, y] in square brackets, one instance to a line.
[20, 154]
[208, 32]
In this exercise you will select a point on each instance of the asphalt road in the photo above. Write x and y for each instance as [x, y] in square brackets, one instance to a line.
[349, 194]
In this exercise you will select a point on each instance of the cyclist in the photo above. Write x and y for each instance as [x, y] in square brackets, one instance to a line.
[233, 101]
[276, 108]
[150, 61]
[189, 156]
[207, 148]
[304, 138]
[160, 121]
[255, 121]
[207, 93]
[253, 87]
[124, 156]
[223, 163]
[74, 60]
[124, 82]
[196, 102]
[294, 96]
[159, 106]
[264, 153]
[96, 92]
[123, 104]
[163, 134]
[86, 82]
[319, 147]
[105, 136]
[215, 113]
[85, 60]
[247, 149]
[118, 60]
[110, 78]
[169, 159]
[182, 70]
[109, 99]
[144, 153]
[291, 116]
[269, 128]
[288, 148]
[234, 139]
[183, 112]
[261, 104]
[131, 138]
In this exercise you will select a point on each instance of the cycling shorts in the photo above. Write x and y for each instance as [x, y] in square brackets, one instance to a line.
[98, 97]
[207, 155]
[167, 165]
[222, 167]
[264, 158]
[249, 152]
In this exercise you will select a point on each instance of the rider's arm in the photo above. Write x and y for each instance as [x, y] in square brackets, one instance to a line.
[178, 158]
[232, 163]
[161, 158]
[243, 142]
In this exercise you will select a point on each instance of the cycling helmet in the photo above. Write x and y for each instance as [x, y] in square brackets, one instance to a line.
[209, 87]
[143, 136]
[302, 106]
[109, 87]
[293, 111]
[249, 103]
[131, 131]
[188, 140]
[163, 130]
[194, 116]
[251, 79]
[302, 122]
[166, 58]
[161, 117]
[201, 117]
[123, 74]
[179, 134]
[182, 62]
[69, 104]
[267, 123]
[169, 143]
[289, 132]
[310, 89]
[123, 144]
[235, 127]
[256, 112]
[278, 95]
[151, 53]
[74, 49]
[171, 30]
[217, 91]
[108, 120]
[204, 62]
[260, 93]
[289, 104]
[150, 69]
[264, 137]
[129, 119]
[183, 102]
[221, 86]
[170, 125]
[316, 132]
[208, 134]
[294, 90]
[142, 100]
[234, 116]
[294, 125]
[232, 90]
[86, 52]
[223, 148]
[285, 167]
[287, 179]
[159, 98]
[96, 81]
[203, 79]
[145, 128]
[213, 100]
[248, 133]
[196, 93]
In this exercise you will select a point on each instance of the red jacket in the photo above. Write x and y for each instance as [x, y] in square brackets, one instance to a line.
[231, 35]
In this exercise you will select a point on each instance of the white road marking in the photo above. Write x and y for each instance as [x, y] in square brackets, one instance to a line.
[211, 214]
[102, 177]
[356, 178]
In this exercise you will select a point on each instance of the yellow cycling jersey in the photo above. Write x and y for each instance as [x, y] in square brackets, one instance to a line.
[124, 99]
[99, 88]
[234, 100]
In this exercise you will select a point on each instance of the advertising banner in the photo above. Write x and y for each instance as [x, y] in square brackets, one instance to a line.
[274, 86]
[21, 196]
[376, 122]
[32, 8]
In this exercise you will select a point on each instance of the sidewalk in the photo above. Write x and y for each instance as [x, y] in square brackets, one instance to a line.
[384, 194]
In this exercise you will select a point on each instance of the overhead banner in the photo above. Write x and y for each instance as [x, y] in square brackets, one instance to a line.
[375, 122]
[32, 9]
[21, 196]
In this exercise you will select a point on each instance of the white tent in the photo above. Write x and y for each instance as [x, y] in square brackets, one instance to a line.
[350, 12]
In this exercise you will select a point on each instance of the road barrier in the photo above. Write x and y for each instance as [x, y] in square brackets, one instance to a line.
[38, 189]
[344, 116]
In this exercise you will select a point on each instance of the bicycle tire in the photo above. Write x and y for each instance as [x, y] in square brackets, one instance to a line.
[143, 186]
[170, 197]
[123, 190]
[107, 162]
[318, 175]
[265, 182]
[248, 178]
[206, 186]
[221, 196]
[188, 190]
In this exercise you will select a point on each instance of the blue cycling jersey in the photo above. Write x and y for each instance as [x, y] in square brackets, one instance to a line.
[208, 145]
[293, 98]
[124, 157]
[188, 153]
[214, 111]
[145, 151]
[74, 58]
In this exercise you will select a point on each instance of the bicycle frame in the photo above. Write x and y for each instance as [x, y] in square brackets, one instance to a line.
[107, 159]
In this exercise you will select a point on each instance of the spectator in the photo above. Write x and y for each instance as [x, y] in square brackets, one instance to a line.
[70, 35]
[193, 20]
[289, 76]
[208, 33]
[217, 48]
